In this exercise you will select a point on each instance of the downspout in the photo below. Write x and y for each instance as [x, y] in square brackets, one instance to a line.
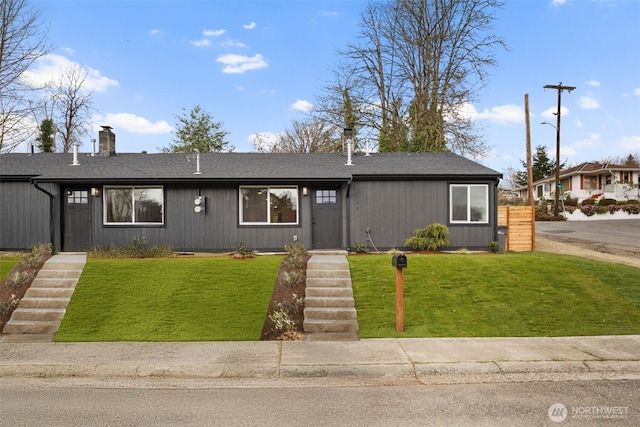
[348, 230]
[51, 212]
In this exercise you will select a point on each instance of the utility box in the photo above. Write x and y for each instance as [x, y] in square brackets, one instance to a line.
[399, 261]
[503, 232]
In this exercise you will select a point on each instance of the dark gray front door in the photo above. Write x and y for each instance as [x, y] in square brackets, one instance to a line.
[327, 219]
[77, 220]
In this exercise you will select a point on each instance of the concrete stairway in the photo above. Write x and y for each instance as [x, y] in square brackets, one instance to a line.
[39, 313]
[329, 313]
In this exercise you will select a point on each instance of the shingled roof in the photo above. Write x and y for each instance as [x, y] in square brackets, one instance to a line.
[237, 167]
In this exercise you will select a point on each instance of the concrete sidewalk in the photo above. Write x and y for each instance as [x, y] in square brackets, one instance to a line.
[390, 361]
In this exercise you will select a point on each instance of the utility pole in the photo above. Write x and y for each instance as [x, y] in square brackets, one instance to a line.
[529, 166]
[559, 88]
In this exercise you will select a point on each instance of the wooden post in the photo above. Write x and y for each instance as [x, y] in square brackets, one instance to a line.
[399, 303]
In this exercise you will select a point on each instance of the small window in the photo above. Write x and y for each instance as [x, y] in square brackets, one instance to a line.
[326, 196]
[469, 203]
[268, 205]
[77, 197]
[133, 205]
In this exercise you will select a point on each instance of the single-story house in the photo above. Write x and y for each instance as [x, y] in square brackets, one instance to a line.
[590, 180]
[210, 202]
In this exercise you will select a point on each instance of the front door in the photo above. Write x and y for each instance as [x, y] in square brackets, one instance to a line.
[77, 220]
[327, 219]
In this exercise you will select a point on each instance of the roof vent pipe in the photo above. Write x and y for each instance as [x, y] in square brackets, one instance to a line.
[75, 155]
[348, 135]
[197, 153]
[367, 153]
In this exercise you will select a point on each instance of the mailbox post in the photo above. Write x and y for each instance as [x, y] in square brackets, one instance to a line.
[399, 261]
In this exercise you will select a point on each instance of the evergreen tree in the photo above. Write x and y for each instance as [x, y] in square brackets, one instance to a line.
[541, 165]
[46, 136]
[198, 131]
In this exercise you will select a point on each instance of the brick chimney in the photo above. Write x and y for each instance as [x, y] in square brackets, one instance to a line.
[107, 142]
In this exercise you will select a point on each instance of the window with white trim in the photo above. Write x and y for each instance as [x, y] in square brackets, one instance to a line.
[262, 205]
[469, 203]
[133, 205]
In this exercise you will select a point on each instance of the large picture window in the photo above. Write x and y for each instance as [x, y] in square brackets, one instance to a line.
[268, 205]
[133, 205]
[469, 203]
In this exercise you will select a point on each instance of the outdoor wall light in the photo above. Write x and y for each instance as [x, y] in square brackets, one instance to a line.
[305, 191]
[95, 191]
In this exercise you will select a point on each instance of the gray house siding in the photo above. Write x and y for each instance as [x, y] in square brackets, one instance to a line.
[26, 210]
[394, 209]
[217, 229]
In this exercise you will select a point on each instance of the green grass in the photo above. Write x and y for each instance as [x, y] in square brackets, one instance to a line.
[175, 299]
[6, 264]
[516, 294]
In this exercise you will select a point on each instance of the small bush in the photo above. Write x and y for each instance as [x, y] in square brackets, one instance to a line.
[360, 248]
[290, 279]
[607, 202]
[494, 246]
[614, 208]
[281, 316]
[10, 305]
[631, 208]
[588, 202]
[295, 255]
[571, 202]
[431, 238]
[589, 209]
[18, 279]
[136, 248]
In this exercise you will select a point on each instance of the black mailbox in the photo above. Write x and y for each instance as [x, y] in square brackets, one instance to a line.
[399, 261]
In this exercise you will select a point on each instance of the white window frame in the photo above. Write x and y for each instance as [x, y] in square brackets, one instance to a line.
[133, 213]
[468, 187]
[268, 222]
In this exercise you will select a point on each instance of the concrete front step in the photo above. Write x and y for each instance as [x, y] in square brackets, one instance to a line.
[49, 293]
[311, 292]
[325, 282]
[44, 302]
[38, 314]
[26, 338]
[59, 274]
[330, 325]
[329, 302]
[332, 336]
[54, 282]
[30, 327]
[329, 313]
[313, 273]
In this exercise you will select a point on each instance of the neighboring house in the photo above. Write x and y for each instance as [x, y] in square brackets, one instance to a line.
[590, 180]
[211, 202]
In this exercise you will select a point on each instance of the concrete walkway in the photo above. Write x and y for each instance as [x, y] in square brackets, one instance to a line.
[389, 361]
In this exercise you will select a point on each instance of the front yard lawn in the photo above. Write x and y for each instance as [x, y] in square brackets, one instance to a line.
[516, 294]
[170, 299]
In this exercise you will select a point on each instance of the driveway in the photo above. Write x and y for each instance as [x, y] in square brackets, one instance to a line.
[619, 237]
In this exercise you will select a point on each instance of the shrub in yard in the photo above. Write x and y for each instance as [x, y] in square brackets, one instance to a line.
[290, 279]
[614, 208]
[589, 210]
[136, 248]
[431, 238]
[360, 248]
[631, 208]
[295, 255]
[607, 202]
[571, 202]
[243, 251]
[494, 246]
[281, 316]
[588, 202]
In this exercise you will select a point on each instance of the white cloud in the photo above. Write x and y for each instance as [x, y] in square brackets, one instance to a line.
[302, 105]
[631, 143]
[594, 83]
[237, 64]
[636, 91]
[592, 141]
[135, 124]
[154, 32]
[501, 114]
[588, 103]
[213, 33]
[232, 43]
[201, 43]
[250, 26]
[567, 151]
[578, 123]
[557, 3]
[328, 13]
[51, 67]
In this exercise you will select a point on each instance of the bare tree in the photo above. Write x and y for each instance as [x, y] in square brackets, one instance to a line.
[304, 136]
[72, 106]
[418, 63]
[22, 41]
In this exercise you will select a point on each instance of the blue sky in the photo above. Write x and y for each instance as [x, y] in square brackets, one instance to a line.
[256, 65]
